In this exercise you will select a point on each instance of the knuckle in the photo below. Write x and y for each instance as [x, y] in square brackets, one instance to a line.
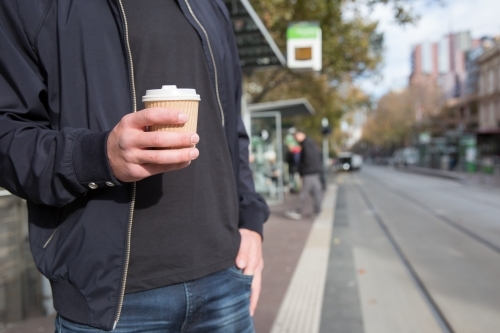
[157, 140]
[180, 157]
[128, 156]
[125, 142]
[148, 114]
[125, 122]
[157, 158]
[187, 139]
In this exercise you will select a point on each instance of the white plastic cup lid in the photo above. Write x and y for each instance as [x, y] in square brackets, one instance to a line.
[170, 93]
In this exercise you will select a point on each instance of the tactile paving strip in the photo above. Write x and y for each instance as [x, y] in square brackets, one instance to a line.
[300, 311]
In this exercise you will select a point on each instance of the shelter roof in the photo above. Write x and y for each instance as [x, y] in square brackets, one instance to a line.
[256, 47]
[288, 108]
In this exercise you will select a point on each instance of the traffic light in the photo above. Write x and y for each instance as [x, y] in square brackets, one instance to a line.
[326, 129]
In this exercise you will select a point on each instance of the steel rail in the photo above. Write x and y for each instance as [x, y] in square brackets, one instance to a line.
[431, 303]
[442, 218]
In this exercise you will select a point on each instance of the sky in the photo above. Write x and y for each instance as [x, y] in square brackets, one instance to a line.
[480, 17]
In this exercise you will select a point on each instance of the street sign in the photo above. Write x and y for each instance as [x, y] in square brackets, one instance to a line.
[304, 46]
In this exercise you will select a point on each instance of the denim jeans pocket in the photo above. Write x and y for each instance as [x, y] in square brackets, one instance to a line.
[67, 326]
[238, 273]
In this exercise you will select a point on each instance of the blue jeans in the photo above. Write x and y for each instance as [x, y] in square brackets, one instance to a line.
[218, 303]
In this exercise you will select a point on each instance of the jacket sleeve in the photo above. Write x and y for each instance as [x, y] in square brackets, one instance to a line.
[253, 209]
[37, 162]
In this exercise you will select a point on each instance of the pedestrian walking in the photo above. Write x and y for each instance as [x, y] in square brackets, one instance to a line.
[134, 233]
[310, 168]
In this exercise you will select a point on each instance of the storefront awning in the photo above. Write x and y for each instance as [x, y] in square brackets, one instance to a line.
[256, 47]
[288, 108]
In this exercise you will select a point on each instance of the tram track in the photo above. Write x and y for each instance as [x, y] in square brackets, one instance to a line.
[434, 308]
[443, 218]
[469, 197]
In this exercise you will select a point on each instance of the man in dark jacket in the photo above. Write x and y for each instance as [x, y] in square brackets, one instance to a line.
[310, 169]
[132, 236]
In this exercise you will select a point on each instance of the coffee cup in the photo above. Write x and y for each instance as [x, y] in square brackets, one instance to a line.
[171, 97]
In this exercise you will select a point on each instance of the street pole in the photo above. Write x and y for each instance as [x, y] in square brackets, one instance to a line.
[324, 124]
[325, 152]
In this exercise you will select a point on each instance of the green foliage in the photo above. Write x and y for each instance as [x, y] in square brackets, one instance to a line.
[390, 124]
[351, 48]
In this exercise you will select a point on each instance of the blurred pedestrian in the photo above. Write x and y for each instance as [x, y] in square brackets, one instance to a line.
[310, 167]
[292, 158]
[134, 233]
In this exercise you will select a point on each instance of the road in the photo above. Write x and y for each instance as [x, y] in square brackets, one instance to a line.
[413, 253]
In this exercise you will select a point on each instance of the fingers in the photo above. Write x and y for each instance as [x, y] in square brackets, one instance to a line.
[242, 257]
[163, 158]
[150, 170]
[250, 253]
[256, 288]
[165, 139]
[151, 116]
[147, 170]
[250, 260]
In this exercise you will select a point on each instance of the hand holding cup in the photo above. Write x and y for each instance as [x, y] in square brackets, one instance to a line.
[135, 154]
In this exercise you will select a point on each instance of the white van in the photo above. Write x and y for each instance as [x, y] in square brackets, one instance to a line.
[348, 161]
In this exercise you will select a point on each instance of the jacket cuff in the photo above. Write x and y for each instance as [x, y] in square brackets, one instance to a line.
[90, 161]
[253, 219]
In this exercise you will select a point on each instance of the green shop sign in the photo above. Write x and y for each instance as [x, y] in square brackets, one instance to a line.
[302, 30]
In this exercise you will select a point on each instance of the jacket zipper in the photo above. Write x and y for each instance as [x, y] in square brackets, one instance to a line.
[50, 238]
[134, 101]
[134, 186]
[213, 60]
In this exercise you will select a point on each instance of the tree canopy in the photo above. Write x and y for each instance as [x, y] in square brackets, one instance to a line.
[352, 48]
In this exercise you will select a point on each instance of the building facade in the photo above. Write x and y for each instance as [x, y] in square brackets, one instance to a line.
[443, 62]
[489, 90]
[488, 134]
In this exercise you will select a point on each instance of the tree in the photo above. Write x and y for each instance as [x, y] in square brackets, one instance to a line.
[352, 48]
[389, 125]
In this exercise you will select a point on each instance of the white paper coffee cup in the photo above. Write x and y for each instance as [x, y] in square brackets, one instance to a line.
[171, 97]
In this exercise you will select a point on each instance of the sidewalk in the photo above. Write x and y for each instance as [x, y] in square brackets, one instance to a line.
[468, 178]
[284, 240]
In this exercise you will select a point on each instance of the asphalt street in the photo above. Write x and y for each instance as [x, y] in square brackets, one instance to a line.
[412, 253]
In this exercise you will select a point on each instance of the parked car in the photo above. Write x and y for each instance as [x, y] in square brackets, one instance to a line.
[405, 157]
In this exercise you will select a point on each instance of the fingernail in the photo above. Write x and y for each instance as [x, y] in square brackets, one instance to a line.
[183, 117]
[195, 138]
[194, 153]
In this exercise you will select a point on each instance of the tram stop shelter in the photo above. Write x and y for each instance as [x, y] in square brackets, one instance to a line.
[269, 170]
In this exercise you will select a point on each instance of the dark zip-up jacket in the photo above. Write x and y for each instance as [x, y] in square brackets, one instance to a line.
[65, 82]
